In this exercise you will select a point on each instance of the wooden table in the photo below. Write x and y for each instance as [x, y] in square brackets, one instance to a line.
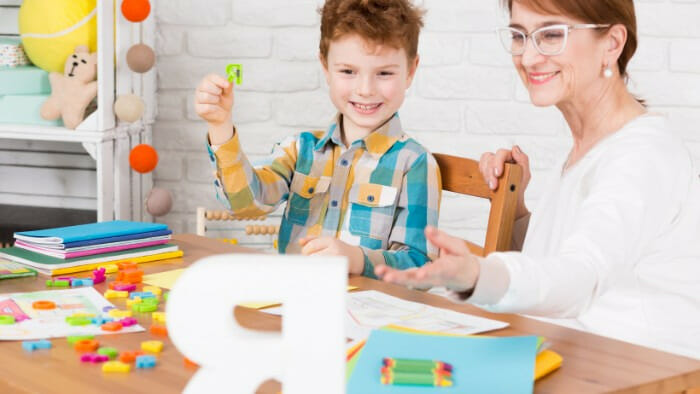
[591, 363]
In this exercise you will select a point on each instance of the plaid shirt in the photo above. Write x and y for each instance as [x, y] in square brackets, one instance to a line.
[379, 194]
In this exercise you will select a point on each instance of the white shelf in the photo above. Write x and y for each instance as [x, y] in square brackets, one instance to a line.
[119, 192]
[35, 200]
[49, 133]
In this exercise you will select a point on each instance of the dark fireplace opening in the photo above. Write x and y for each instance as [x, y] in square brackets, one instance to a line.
[15, 218]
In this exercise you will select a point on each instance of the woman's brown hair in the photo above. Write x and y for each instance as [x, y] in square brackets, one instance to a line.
[611, 12]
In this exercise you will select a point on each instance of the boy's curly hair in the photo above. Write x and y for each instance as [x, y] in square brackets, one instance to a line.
[395, 23]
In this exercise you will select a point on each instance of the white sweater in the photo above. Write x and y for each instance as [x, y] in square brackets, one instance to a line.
[613, 246]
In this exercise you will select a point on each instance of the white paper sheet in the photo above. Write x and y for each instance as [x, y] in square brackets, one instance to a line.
[51, 323]
[370, 309]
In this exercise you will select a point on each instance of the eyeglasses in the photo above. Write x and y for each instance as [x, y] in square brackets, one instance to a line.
[548, 40]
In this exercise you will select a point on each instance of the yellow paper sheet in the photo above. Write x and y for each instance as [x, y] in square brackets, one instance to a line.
[167, 279]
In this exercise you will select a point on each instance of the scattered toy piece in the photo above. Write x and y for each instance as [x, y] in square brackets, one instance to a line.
[94, 358]
[86, 345]
[118, 313]
[78, 320]
[158, 317]
[145, 361]
[116, 294]
[160, 330]
[72, 339]
[110, 352]
[153, 289]
[189, 363]
[7, 319]
[144, 307]
[115, 366]
[152, 346]
[129, 356]
[128, 321]
[43, 305]
[31, 346]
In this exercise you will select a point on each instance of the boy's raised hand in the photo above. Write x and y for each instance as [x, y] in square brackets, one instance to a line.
[213, 102]
[329, 246]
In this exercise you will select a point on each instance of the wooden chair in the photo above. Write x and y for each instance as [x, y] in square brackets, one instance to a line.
[461, 175]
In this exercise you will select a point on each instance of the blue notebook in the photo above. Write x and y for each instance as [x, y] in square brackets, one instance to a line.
[108, 240]
[481, 365]
[86, 232]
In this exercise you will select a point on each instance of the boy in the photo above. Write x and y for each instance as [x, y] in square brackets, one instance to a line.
[361, 188]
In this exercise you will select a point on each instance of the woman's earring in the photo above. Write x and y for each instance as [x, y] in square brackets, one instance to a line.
[607, 72]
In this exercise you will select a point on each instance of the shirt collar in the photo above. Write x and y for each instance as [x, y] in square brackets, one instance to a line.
[377, 142]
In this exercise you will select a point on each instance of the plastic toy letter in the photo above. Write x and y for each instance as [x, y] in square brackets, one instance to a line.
[307, 357]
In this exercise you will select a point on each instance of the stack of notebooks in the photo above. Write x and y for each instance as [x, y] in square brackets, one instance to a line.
[84, 247]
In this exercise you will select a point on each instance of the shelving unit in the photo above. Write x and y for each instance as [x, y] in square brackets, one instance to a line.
[120, 191]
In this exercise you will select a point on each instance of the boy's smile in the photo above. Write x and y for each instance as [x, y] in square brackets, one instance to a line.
[366, 108]
[367, 83]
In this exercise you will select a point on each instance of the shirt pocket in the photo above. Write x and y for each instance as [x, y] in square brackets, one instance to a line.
[306, 193]
[372, 210]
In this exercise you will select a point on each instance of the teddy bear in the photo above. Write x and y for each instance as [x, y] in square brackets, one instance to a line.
[72, 91]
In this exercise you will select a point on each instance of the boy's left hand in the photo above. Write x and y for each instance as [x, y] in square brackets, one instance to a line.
[329, 246]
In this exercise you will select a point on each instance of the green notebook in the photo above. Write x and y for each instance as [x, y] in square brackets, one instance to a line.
[10, 269]
[46, 264]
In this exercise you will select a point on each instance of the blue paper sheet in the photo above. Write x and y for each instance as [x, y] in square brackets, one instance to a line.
[481, 365]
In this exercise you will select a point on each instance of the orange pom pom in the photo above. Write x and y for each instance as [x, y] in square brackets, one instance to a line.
[136, 10]
[143, 158]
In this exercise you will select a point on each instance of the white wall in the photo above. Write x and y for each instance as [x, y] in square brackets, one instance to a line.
[466, 98]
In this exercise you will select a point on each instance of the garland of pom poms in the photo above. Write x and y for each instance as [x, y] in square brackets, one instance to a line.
[140, 58]
[143, 158]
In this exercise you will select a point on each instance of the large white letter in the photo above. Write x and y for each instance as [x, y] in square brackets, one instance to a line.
[308, 356]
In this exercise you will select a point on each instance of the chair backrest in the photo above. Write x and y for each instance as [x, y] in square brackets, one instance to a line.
[461, 175]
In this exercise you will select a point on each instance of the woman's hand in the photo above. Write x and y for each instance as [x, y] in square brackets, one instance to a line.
[213, 102]
[491, 166]
[329, 246]
[456, 268]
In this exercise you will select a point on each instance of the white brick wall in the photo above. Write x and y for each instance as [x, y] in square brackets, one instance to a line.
[466, 98]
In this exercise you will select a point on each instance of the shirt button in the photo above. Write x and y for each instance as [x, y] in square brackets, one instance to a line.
[370, 198]
[311, 190]
[344, 162]
[334, 203]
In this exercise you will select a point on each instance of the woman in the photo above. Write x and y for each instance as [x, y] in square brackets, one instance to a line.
[613, 246]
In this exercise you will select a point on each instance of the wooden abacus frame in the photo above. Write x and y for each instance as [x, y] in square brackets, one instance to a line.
[204, 215]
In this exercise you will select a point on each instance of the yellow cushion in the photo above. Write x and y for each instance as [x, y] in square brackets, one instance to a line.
[51, 29]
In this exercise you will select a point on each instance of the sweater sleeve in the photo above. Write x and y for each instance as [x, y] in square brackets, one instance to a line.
[248, 190]
[627, 200]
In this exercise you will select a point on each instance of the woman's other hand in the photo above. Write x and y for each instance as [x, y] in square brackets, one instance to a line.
[456, 268]
[491, 166]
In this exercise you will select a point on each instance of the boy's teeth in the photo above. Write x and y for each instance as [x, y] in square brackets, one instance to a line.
[366, 107]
